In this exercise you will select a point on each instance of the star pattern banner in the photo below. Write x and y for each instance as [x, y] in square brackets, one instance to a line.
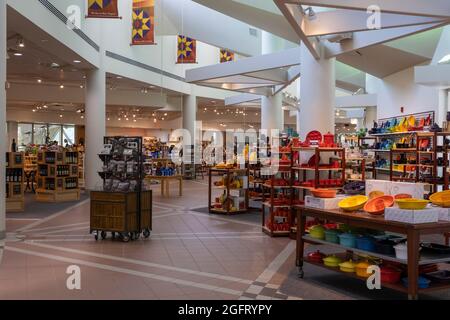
[143, 22]
[103, 9]
[226, 56]
[187, 50]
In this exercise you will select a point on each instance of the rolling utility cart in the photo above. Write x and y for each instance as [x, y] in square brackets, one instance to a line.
[121, 206]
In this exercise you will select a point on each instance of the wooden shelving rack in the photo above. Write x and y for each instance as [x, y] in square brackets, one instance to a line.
[15, 198]
[57, 177]
[228, 191]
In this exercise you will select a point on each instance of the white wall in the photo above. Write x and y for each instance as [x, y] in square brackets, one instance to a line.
[399, 90]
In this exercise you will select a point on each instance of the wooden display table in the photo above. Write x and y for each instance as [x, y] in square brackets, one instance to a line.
[165, 183]
[364, 220]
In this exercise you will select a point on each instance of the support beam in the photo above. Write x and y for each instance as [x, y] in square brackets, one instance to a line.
[242, 98]
[430, 8]
[366, 39]
[343, 21]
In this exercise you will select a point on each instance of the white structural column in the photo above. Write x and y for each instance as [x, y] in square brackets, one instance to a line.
[190, 115]
[95, 125]
[317, 94]
[371, 117]
[272, 114]
[3, 136]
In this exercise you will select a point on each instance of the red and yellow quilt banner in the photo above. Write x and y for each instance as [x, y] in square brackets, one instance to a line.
[226, 56]
[103, 9]
[187, 50]
[143, 22]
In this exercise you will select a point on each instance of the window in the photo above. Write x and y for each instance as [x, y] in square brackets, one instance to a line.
[37, 133]
[40, 133]
[55, 133]
[69, 134]
[25, 135]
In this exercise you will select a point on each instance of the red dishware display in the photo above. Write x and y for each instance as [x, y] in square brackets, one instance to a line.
[390, 275]
[316, 257]
[328, 140]
[324, 193]
[312, 161]
[314, 138]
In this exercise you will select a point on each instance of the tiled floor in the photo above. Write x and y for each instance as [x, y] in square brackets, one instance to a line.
[190, 255]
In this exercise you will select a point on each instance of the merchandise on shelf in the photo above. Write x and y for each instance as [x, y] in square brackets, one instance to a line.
[57, 174]
[14, 176]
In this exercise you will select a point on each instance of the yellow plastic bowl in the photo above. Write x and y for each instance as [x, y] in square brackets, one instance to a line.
[412, 204]
[353, 203]
[441, 199]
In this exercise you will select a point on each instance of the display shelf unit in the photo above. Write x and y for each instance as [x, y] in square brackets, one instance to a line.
[362, 166]
[122, 206]
[413, 233]
[336, 165]
[405, 174]
[57, 176]
[15, 198]
[81, 173]
[277, 218]
[233, 200]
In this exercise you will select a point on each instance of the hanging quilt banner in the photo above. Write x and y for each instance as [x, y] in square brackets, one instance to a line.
[226, 56]
[103, 9]
[143, 22]
[187, 50]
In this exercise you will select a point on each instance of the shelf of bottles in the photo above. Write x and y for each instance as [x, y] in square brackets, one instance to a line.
[57, 176]
[15, 199]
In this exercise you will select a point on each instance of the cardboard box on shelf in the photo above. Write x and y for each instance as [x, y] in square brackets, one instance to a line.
[428, 215]
[444, 214]
[416, 190]
[320, 203]
[378, 185]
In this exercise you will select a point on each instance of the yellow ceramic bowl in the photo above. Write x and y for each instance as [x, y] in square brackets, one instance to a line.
[412, 204]
[353, 203]
[441, 199]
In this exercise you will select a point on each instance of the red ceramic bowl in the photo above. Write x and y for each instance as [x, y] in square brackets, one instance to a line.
[324, 193]
[376, 206]
[390, 275]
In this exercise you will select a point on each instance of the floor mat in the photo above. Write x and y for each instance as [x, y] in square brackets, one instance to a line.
[253, 216]
[41, 210]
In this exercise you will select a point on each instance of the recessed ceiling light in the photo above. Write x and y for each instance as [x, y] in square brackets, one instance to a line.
[45, 106]
[61, 86]
[18, 54]
[134, 116]
[39, 80]
[20, 42]
[154, 120]
[165, 114]
[60, 115]
[135, 120]
[119, 119]
[82, 117]
[81, 86]
[163, 119]
[119, 77]
[109, 119]
[76, 61]
[34, 110]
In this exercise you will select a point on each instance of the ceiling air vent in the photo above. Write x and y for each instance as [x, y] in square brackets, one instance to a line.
[253, 32]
